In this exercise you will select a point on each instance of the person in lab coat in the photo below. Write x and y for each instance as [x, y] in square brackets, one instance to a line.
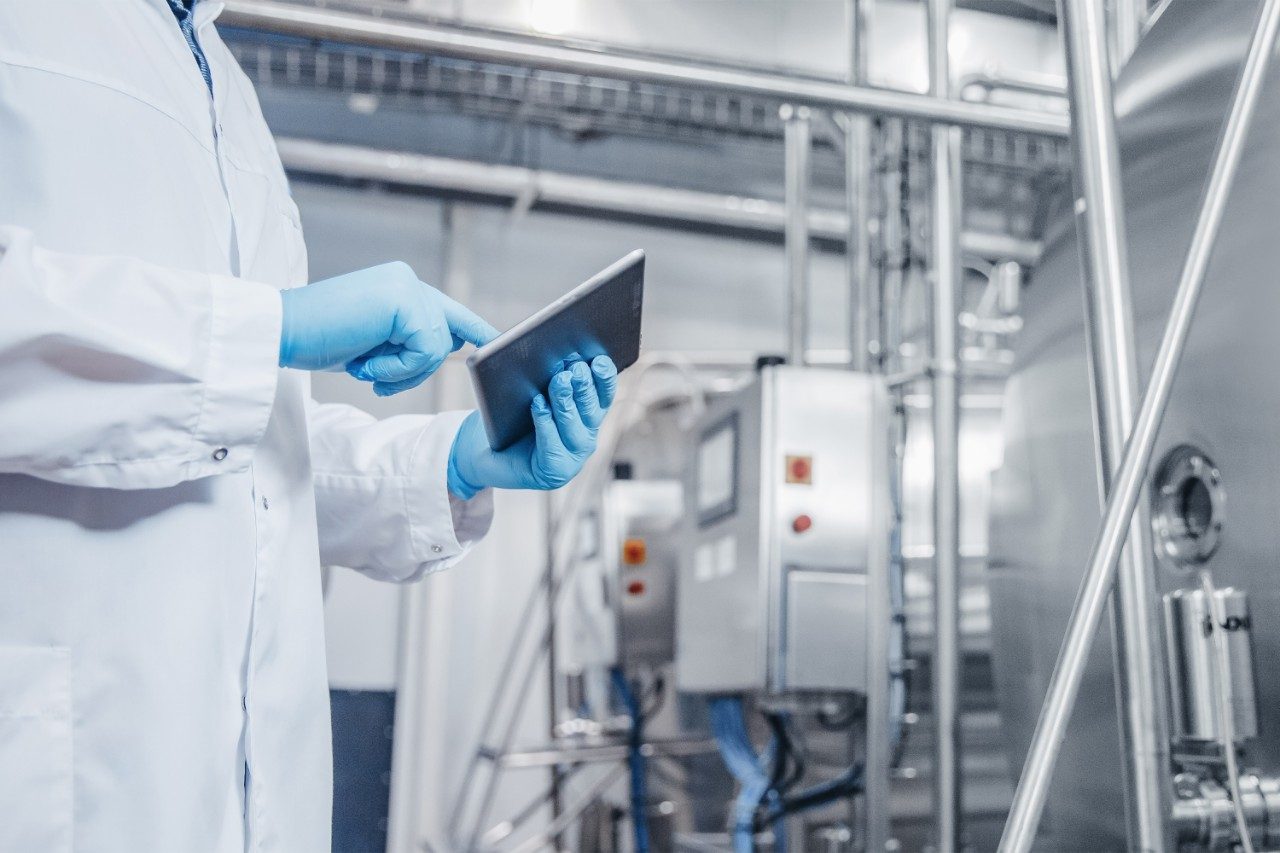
[168, 491]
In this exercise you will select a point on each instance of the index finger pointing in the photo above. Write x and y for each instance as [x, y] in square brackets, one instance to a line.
[466, 324]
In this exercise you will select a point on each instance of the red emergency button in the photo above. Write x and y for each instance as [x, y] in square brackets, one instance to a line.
[800, 470]
[801, 523]
[635, 588]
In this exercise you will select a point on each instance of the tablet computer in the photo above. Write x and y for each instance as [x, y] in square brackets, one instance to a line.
[599, 317]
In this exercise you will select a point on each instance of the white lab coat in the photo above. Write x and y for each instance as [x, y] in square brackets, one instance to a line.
[167, 494]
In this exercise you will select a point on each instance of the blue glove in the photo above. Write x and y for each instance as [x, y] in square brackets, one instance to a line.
[381, 324]
[564, 435]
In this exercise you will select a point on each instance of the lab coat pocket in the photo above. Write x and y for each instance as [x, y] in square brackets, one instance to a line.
[35, 749]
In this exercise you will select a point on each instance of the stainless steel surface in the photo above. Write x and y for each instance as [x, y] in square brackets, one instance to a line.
[747, 527]
[826, 630]
[1113, 359]
[947, 273]
[1193, 662]
[799, 141]
[1171, 101]
[314, 22]
[639, 520]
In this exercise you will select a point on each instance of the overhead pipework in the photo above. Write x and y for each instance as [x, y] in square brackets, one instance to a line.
[320, 23]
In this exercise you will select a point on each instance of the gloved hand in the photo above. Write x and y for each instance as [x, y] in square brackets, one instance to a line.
[382, 324]
[564, 436]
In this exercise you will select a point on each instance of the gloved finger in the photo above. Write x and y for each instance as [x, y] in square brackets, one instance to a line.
[386, 389]
[584, 394]
[399, 365]
[548, 448]
[465, 324]
[354, 365]
[606, 375]
[573, 432]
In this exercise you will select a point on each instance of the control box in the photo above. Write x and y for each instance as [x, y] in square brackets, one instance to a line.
[787, 511]
[622, 604]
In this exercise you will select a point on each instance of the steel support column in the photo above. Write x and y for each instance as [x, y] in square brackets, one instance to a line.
[799, 140]
[945, 662]
[857, 177]
[1139, 663]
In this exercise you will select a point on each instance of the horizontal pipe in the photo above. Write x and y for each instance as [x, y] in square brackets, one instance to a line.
[437, 40]
[446, 174]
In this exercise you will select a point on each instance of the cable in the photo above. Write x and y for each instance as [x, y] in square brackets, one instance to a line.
[656, 697]
[789, 765]
[1226, 711]
[635, 761]
[846, 785]
[746, 766]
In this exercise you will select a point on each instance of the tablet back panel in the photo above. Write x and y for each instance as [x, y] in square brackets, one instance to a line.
[600, 317]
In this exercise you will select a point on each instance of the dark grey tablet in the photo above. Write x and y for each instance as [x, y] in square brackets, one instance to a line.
[599, 317]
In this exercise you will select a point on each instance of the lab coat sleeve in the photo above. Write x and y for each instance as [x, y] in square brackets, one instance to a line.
[123, 374]
[382, 502]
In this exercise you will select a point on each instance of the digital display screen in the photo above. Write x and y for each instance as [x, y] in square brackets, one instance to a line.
[717, 472]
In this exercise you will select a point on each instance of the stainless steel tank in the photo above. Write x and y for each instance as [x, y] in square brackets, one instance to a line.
[1171, 100]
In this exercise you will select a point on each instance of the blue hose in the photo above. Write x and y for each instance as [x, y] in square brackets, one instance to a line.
[635, 761]
[749, 769]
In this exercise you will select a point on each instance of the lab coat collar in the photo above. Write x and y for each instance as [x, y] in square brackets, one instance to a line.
[207, 12]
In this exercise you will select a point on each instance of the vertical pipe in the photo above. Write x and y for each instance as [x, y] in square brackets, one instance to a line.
[857, 151]
[859, 175]
[1126, 28]
[1139, 663]
[798, 141]
[1064, 685]
[946, 433]
[554, 792]
[895, 254]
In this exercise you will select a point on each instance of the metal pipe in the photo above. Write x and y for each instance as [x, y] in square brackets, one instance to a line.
[425, 37]
[858, 237]
[799, 140]
[989, 82]
[555, 787]
[663, 205]
[857, 181]
[947, 272]
[895, 256]
[859, 173]
[1126, 28]
[1139, 663]
[1064, 686]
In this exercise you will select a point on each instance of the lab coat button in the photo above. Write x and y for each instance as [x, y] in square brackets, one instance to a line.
[265, 505]
[436, 549]
[219, 454]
